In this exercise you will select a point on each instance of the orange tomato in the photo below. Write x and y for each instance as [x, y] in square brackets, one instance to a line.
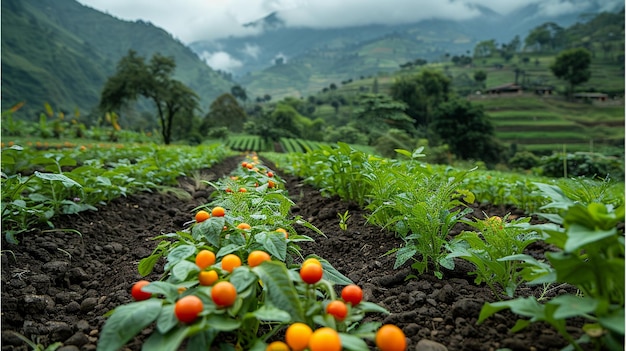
[325, 339]
[202, 216]
[205, 258]
[337, 309]
[224, 294]
[390, 338]
[230, 262]
[256, 257]
[207, 278]
[297, 336]
[244, 226]
[218, 212]
[277, 346]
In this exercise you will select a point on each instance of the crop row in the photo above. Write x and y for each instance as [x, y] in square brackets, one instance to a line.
[38, 184]
[421, 203]
[254, 143]
[235, 279]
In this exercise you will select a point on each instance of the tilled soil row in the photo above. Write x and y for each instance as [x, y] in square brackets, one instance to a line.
[56, 286]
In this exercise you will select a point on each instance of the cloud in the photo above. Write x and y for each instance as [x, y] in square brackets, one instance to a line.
[251, 50]
[221, 60]
[192, 20]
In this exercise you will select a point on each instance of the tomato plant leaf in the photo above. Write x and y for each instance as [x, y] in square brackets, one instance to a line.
[279, 288]
[271, 314]
[182, 269]
[222, 322]
[243, 278]
[126, 321]
[202, 340]
[146, 265]
[180, 253]
[367, 306]
[170, 291]
[210, 230]
[333, 275]
[276, 245]
[352, 342]
[571, 305]
[167, 319]
[55, 177]
[166, 342]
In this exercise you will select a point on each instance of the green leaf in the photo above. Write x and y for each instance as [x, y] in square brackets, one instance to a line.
[614, 321]
[279, 288]
[271, 314]
[222, 322]
[126, 322]
[571, 268]
[55, 177]
[166, 342]
[275, 244]
[403, 152]
[210, 230]
[146, 265]
[352, 342]
[167, 319]
[367, 307]
[333, 275]
[572, 305]
[182, 269]
[243, 278]
[67, 161]
[579, 236]
[202, 340]
[170, 291]
[404, 254]
[180, 253]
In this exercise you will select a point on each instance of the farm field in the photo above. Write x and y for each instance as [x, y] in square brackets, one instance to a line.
[57, 286]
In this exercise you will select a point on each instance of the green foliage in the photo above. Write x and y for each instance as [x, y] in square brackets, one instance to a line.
[422, 93]
[392, 140]
[585, 164]
[590, 257]
[135, 78]
[225, 112]
[97, 175]
[573, 66]
[490, 248]
[348, 134]
[467, 130]
[523, 160]
[269, 296]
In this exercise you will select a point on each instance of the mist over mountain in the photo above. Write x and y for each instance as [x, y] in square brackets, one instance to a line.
[278, 40]
[61, 52]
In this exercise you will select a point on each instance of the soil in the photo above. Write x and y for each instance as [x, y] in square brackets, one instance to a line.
[57, 285]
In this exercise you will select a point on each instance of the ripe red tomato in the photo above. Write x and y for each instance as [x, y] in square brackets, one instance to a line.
[352, 294]
[137, 293]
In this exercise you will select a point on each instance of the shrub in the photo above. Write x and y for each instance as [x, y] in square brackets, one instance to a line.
[582, 164]
[524, 160]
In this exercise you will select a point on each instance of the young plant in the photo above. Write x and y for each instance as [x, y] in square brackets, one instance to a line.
[343, 220]
[591, 258]
[490, 245]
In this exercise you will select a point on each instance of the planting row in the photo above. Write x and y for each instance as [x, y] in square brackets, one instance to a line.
[421, 203]
[38, 184]
[258, 144]
[235, 279]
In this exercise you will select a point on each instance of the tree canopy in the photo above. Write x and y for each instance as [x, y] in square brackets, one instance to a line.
[573, 66]
[225, 112]
[134, 78]
[422, 93]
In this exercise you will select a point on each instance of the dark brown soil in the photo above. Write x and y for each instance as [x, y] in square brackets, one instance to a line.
[56, 285]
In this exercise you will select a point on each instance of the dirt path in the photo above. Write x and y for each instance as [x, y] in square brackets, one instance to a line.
[56, 286]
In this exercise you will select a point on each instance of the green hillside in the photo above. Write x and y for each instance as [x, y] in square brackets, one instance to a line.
[61, 52]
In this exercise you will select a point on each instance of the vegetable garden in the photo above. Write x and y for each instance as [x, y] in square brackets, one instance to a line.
[470, 259]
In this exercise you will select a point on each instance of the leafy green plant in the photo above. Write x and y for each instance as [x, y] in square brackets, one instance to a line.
[490, 245]
[343, 220]
[591, 258]
[246, 305]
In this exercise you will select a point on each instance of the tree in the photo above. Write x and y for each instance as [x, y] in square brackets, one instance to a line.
[480, 77]
[376, 113]
[421, 93]
[135, 78]
[224, 112]
[485, 48]
[239, 92]
[467, 130]
[573, 66]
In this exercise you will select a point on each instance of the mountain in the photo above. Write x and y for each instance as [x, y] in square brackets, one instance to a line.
[298, 61]
[61, 52]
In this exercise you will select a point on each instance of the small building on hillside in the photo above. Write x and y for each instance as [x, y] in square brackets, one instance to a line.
[591, 97]
[509, 88]
[544, 90]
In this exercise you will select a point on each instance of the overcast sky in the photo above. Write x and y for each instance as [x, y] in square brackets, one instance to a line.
[192, 20]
